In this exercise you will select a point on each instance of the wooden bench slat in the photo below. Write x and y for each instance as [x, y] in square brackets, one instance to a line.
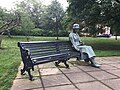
[49, 56]
[42, 54]
[39, 46]
[43, 50]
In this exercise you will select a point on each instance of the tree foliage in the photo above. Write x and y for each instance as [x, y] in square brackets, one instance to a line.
[54, 13]
[45, 18]
[31, 17]
[93, 12]
[8, 21]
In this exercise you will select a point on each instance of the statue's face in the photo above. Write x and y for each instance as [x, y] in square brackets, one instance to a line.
[75, 30]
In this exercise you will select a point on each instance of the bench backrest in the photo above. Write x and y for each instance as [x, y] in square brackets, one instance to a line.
[43, 48]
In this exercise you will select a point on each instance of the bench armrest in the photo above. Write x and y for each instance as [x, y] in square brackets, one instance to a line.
[27, 58]
[28, 52]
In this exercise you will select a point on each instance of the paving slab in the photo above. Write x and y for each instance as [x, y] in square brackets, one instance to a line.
[117, 65]
[88, 68]
[65, 87]
[49, 71]
[62, 65]
[36, 89]
[108, 60]
[54, 80]
[105, 61]
[92, 86]
[47, 65]
[115, 72]
[99, 60]
[117, 58]
[107, 67]
[78, 63]
[24, 84]
[70, 70]
[79, 77]
[101, 75]
[113, 83]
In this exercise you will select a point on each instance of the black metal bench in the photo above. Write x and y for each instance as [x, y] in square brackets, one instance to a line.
[34, 53]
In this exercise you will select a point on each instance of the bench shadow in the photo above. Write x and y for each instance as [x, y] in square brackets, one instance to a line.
[78, 63]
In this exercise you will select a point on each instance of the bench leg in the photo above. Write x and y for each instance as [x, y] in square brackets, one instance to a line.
[23, 70]
[65, 62]
[57, 63]
[30, 76]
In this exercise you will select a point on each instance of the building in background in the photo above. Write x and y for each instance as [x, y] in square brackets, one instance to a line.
[105, 30]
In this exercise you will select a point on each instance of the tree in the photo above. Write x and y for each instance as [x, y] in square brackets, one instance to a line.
[75, 8]
[94, 12]
[54, 14]
[34, 9]
[8, 21]
[111, 15]
[26, 23]
[87, 11]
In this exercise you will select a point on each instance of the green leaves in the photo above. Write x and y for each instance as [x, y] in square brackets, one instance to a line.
[93, 12]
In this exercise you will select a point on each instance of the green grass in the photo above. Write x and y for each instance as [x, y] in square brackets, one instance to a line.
[10, 55]
[104, 46]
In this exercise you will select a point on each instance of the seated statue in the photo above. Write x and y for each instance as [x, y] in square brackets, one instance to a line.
[86, 52]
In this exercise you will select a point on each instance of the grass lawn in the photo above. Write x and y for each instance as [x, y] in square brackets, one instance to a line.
[10, 54]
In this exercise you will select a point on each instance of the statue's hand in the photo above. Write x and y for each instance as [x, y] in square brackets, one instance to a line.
[82, 43]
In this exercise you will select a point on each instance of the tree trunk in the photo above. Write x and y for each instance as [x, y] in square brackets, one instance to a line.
[1, 36]
[57, 30]
[27, 38]
[115, 37]
[9, 35]
[0, 41]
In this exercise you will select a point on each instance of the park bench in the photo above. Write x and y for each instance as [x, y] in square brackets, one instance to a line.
[40, 52]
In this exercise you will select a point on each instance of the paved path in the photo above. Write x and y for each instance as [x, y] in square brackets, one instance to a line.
[78, 77]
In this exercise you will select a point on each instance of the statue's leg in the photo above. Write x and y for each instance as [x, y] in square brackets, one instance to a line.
[86, 58]
[93, 63]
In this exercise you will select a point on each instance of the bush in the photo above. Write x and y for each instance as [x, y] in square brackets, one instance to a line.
[38, 32]
[34, 32]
